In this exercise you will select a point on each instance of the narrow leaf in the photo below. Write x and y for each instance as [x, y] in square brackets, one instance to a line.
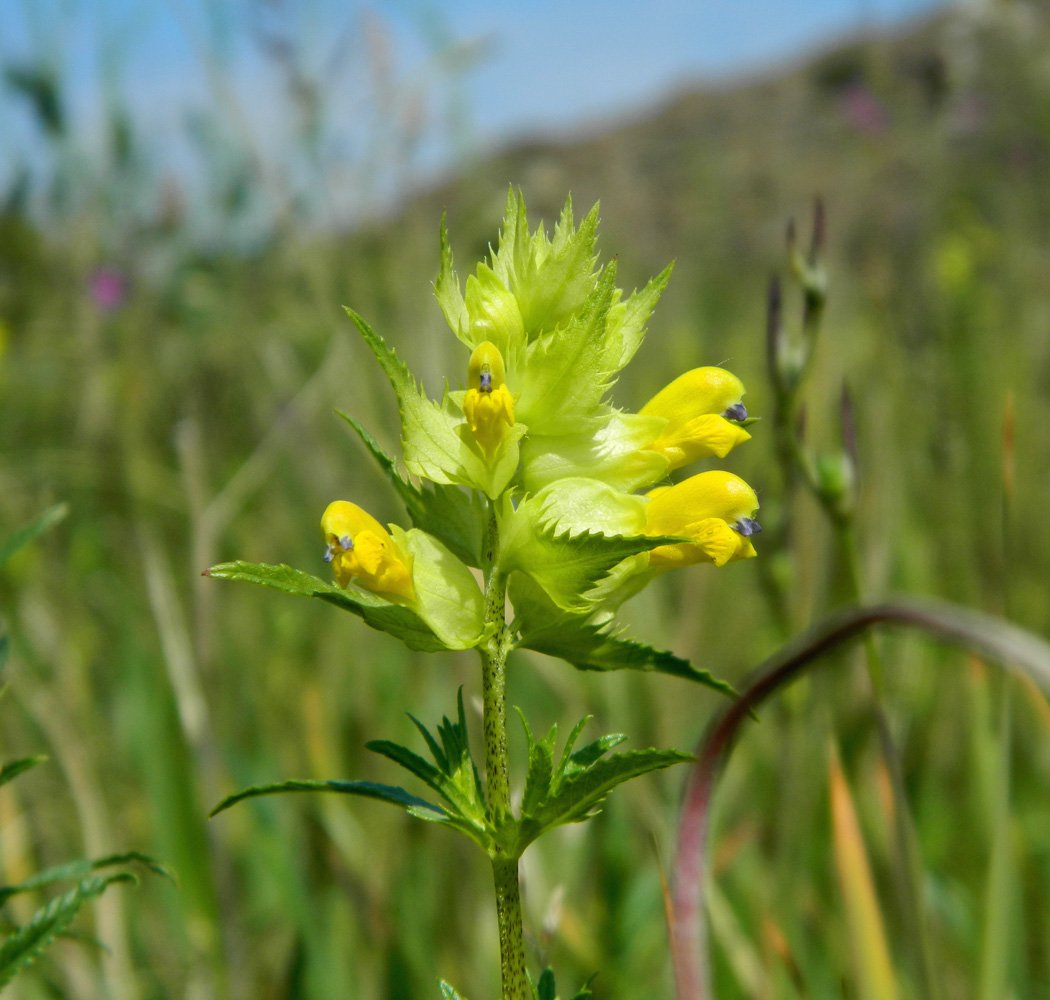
[34, 529]
[586, 756]
[873, 968]
[399, 621]
[13, 768]
[367, 789]
[25, 945]
[439, 781]
[546, 988]
[448, 993]
[541, 768]
[80, 869]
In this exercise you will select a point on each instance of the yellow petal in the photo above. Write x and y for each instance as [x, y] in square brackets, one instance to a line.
[488, 404]
[694, 405]
[361, 549]
[710, 509]
[702, 390]
[701, 437]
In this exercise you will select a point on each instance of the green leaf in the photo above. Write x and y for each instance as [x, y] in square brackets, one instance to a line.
[590, 644]
[617, 453]
[80, 869]
[434, 447]
[627, 320]
[595, 647]
[570, 567]
[448, 293]
[570, 369]
[550, 278]
[453, 775]
[546, 988]
[34, 529]
[448, 598]
[397, 620]
[25, 945]
[13, 768]
[541, 766]
[584, 992]
[367, 789]
[577, 796]
[448, 993]
[450, 513]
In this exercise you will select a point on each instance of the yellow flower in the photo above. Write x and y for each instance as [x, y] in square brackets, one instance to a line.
[702, 408]
[714, 509]
[361, 549]
[488, 404]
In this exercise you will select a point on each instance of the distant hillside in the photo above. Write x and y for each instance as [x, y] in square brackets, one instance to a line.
[944, 124]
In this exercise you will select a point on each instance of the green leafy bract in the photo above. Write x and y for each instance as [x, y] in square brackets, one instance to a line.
[548, 538]
[434, 446]
[592, 642]
[573, 789]
[454, 515]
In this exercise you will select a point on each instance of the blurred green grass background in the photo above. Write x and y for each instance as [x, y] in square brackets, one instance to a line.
[178, 393]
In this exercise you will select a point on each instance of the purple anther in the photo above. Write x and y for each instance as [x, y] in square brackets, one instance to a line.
[735, 412]
[347, 542]
[747, 526]
[329, 555]
[486, 381]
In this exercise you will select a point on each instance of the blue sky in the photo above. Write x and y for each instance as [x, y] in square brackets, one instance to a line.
[499, 70]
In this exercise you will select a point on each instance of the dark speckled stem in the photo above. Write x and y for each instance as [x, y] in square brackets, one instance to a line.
[504, 869]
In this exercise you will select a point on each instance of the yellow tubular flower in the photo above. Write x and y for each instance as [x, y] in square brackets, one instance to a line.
[361, 549]
[715, 509]
[702, 408]
[488, 404]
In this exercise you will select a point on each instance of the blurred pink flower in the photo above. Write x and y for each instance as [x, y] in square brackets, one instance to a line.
[864, 111]
[108, 288]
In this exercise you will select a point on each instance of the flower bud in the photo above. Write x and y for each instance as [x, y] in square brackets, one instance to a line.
[488, 404]
[703, 408]
[361, 549]
[715, 510]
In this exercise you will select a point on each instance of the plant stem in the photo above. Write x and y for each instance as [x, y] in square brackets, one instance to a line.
[494, 695]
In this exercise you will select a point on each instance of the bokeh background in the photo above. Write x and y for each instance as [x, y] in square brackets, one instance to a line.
[190, 191]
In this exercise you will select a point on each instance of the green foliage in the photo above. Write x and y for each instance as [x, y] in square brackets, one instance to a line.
[574, 789]
[364, 789]
[23, 947]
[456, 516]
[188, 428]
[31, 531]
[452, 621]
[433, 446]
[546, 989]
